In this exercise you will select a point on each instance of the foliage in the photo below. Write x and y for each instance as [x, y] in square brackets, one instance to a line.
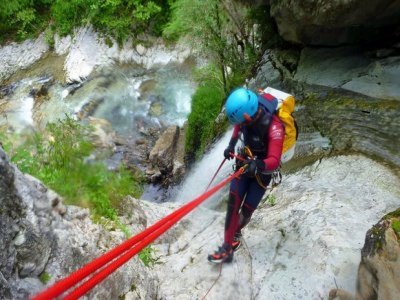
[271, 200]
[396, 227]
[22, 19]
[206, 105]
[119, 19]
[45, 277]
[222, 30]
[147, 256]
[58, 158]
[116, 18]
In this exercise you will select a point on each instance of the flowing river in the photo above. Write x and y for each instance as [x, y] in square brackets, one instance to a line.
[129, 97]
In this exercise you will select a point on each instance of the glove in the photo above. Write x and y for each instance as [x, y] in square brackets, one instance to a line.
[227, 152]
[254, 166]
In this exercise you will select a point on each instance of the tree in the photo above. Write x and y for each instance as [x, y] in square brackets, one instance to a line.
[221, 30]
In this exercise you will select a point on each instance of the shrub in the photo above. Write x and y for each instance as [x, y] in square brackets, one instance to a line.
[58, 158]
[147, 256]
[206, 105]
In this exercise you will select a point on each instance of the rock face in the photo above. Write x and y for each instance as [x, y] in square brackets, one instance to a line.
[85, 52]
[12, 209]
[42, 237]
[317, 227]
[88, 51]
[320, 22]
[379, 270]
[15, 56]
[348, 94]
[352, 69]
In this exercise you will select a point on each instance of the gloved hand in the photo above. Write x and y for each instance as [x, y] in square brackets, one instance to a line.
[227, 152]
[254, 166]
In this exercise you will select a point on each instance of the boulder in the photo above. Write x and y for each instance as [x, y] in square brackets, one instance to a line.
[167, 156]
[16, 56]
[378, 274]
[103, 135]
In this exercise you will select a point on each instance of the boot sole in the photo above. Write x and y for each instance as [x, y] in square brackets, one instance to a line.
[219, 261]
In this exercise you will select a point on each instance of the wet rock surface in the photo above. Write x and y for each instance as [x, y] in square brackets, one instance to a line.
[317, 22]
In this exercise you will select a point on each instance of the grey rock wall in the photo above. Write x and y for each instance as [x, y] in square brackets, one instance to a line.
[330, 23]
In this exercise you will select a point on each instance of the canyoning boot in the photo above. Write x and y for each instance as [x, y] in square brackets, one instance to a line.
[223, 254]
[237, 241]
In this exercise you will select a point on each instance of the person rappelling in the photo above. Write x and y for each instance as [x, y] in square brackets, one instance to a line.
[263, 135]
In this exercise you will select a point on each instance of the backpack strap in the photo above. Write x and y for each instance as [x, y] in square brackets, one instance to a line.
[269, 102]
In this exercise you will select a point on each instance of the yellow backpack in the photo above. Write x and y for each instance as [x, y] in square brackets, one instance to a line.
[284, 110]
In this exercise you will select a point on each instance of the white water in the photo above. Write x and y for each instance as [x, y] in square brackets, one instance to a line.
[198, 178]
[116, 95]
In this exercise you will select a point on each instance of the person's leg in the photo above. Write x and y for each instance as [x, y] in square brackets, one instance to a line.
[253, 197]
[237, 192]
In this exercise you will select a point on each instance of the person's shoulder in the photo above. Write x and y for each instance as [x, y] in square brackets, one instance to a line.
[276, 120]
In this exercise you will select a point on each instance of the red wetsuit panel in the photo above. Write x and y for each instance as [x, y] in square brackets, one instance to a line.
[236, 131]
[276, 136]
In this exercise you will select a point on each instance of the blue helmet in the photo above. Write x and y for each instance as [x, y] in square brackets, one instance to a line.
[239, 103]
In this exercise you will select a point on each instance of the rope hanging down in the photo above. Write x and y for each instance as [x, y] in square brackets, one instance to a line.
[125, 251]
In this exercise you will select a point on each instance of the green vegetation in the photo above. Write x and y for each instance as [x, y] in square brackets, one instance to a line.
[147, 256]
[271, 200]
[223, 32]
[396, 227]
[58, 158]
[206, 105]
[21, 19]
[45, 277]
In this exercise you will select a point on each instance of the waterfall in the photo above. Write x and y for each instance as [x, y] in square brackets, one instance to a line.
[198, 178]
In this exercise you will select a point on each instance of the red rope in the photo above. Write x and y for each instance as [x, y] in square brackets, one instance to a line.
[139, 241]
[215, 174]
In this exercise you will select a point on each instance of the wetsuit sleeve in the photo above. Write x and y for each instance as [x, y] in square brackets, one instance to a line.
[235, 136]
[276, 135]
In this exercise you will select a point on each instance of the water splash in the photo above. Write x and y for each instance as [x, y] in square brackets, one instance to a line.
[198, 178]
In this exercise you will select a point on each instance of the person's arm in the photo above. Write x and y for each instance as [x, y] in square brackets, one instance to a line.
[276, 136]
[232, 142]
[234, 137]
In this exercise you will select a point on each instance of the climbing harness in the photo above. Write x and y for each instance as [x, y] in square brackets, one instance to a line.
[248, 153]
[276, 177]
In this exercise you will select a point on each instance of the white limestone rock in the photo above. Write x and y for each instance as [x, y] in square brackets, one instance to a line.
[296, 249]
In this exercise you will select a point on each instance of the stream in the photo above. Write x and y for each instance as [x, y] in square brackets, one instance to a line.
[129, 97]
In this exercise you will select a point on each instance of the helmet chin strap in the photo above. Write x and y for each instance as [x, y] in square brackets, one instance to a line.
[249, 119]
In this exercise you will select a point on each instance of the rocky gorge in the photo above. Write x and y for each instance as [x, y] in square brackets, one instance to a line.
[343, 180]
